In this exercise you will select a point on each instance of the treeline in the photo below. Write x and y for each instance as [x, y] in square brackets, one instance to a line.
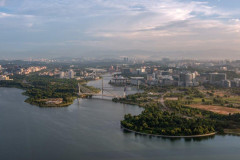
[136, 99]
[16, 84]
[189, 92]
[158, 89]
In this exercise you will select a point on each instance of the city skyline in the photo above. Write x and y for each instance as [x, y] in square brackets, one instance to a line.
[143, 28]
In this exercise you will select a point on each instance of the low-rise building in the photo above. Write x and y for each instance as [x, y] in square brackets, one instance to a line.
[4, 78]
[119, 80]
[136, 80]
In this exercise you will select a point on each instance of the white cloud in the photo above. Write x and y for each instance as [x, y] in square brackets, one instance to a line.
[5, 15]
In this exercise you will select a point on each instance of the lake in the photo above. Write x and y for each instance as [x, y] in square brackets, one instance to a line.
[90, 130]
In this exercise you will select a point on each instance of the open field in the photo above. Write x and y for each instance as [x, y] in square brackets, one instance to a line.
[216, 109]
[221, 93]
[233, 100]
[217, 92]
[199, 100]
[171, 98]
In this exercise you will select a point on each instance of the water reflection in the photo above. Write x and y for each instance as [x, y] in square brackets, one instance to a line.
[193, 139]
[116, 90]
[199, 139]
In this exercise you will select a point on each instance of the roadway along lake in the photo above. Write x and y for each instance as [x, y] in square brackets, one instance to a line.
[91, 130]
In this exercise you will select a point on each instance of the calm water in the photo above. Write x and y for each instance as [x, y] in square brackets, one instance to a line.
[109, 89]
[90, 130]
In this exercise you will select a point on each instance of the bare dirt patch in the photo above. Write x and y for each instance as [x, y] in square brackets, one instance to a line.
[216, 109]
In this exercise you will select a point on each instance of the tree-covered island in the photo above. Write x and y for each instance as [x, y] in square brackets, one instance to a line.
[46, 91]
[154, 121]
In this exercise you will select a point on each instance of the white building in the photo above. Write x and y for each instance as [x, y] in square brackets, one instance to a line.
[62, 75]
[71, 74]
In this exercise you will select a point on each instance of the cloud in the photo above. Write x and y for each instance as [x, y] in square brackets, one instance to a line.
[5, 15]
[153, 25]
[2, 3]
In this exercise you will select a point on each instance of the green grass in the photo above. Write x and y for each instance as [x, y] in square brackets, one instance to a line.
[199, 100]
[235, 100]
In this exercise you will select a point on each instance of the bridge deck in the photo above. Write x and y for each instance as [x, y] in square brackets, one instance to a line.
[102, 95]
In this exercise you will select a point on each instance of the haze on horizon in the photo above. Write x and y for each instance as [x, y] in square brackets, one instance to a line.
[145, 28]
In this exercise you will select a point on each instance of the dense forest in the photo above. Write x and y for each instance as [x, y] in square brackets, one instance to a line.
[154, 121]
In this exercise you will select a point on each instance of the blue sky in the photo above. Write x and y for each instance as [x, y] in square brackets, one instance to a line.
[138, 28]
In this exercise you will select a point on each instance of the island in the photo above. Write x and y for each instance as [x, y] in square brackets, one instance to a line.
[156, 122]
[47, 91]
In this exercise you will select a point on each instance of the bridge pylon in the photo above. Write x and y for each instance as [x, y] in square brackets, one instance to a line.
[124, 92]
[79, 89]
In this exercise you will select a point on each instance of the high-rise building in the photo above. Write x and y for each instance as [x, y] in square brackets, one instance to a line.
[125, 59]
[187, 80]
[62, 74]
[217, 77]
[226, 83]
[149, 77]
[71, 74]
[154, 76]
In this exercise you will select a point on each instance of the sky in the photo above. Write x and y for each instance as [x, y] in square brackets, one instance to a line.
[135, 28]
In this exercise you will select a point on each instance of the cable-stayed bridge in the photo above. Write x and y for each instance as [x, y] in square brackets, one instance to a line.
[105, 92]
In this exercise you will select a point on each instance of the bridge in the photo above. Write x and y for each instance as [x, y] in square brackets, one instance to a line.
[105, 92]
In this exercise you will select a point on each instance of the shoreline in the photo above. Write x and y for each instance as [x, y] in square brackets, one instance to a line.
[39, 105]
[165, 136]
